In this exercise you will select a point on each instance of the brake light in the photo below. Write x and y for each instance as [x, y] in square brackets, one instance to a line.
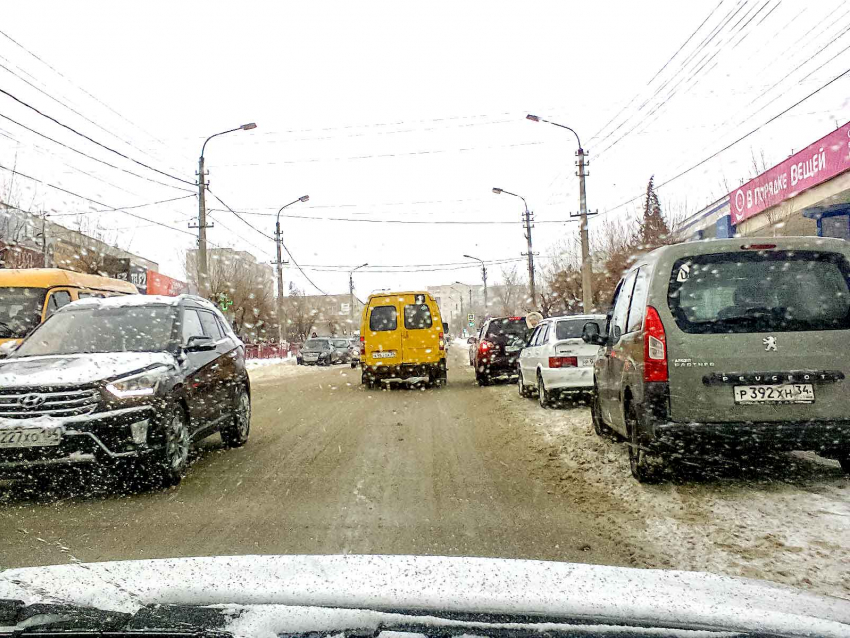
[442, 341]
[362, 346]
[563, 362]
[758, 246]
[654, 347]
[484, 346]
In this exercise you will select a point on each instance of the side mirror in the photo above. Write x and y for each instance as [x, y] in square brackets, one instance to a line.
[590, 334]
[8, 348]
[472, 340]
[200, 343]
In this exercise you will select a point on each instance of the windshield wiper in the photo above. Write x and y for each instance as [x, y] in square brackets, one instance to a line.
[18, 619]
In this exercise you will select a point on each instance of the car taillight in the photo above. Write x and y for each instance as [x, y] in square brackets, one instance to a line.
[484, 346]
[654, 347]
[563, 362]
[442, 341]
[362, 346]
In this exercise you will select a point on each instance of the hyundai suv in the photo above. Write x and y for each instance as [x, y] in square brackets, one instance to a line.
[137, 378]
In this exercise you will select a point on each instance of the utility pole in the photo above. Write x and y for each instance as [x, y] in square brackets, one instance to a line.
[483, 278]
[44, 237]
[530, 254]
[586, 266]
[351, 295]
[279, 263]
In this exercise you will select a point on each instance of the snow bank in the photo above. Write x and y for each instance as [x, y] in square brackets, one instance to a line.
[786, 520]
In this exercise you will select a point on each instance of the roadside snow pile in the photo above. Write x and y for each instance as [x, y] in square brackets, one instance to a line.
[785, 520]
[260, 363]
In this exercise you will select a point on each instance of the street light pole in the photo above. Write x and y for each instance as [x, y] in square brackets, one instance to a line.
[203, 273]
[483, 278]
[351, 295]
[586, 265]
[527, 221]
[278, 240]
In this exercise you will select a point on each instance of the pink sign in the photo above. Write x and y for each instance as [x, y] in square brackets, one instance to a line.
[824, 159]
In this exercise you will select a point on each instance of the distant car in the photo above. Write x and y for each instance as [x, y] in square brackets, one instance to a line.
[317, 351]
[341, 353]
[498, 346]
[556, 359]
[135, 378]
[354, 352]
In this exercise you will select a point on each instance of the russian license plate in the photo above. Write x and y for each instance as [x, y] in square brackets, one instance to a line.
[30, 437]
[385, 354]
[785, 393]
[310, 355]
[586, 362]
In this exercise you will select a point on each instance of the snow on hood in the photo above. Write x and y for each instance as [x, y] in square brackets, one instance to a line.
[76, 368]
[435, 585]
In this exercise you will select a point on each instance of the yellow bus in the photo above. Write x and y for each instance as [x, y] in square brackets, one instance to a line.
[29, 296]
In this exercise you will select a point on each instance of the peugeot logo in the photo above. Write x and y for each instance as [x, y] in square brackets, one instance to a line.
[31, 401]
[769, 344]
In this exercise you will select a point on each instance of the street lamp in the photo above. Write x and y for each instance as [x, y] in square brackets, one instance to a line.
[586, 265]
[483, 278]
[351, 295]
[279, 263]
[202, 211]
[499, 191]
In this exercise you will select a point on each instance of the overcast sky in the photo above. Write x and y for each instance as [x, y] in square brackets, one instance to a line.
[404, 111]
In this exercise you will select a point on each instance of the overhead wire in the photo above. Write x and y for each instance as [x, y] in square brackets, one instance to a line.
[92, 140]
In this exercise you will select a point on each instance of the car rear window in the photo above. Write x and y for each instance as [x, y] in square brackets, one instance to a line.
[317, 344]
[510, 330]
[766, 291]
[417, 316]
[383, 318]
[572, 328]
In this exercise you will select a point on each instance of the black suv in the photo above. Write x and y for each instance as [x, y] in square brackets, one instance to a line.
[495, 352]
[126, 378]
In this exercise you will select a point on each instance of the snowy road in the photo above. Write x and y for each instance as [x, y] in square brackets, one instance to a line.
[333, 468]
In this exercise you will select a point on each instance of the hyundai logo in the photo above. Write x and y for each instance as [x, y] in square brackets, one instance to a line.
[31, 401]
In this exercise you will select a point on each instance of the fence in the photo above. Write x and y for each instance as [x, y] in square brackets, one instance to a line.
[265, 351]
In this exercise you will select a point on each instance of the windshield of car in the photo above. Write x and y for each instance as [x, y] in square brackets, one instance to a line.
[20, 311]
[573, 328]
[78, 330]
[766, 291]
[384, 227]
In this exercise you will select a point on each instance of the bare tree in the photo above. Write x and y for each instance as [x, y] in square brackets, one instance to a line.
[510, 294]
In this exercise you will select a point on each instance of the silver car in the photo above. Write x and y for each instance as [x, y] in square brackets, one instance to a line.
[727, 346]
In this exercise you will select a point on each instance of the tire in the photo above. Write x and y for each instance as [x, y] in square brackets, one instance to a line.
[368, 380]
[482, 378]
[523, 391]
[166, 465]
[544, 397]
[596, 414]
[235, 433]
[353, 364]
[844, 462]
[640, 462]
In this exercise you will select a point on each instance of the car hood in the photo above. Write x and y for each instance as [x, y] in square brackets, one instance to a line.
[78, 368]
[274, 591]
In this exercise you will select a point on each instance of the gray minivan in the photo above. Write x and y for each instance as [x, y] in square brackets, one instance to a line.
[727, 346]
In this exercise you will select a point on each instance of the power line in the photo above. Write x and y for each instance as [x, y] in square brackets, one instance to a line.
[122, 208]
[413, 221]
[730, 145]
[71, 148]
[251, 226]
[94, 201]
[93, 141]
[79, 88]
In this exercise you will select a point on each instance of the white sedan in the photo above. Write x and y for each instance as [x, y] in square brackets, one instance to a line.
[556, 360]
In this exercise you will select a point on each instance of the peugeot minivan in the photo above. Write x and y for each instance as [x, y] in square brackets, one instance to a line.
[401, 337]
[728, 346]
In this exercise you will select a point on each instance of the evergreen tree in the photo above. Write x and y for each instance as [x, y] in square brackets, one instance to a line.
[653, 230]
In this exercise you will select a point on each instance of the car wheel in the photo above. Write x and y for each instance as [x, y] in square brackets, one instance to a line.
[482, 378]
[353, 364]
[523, 391]
[543, 395]
[236, 433]
[643, 465]
[596, 414]
[166, 465]
[844, 462]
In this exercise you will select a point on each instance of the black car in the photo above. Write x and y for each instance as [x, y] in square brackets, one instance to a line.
[495, 352]
[135, 378]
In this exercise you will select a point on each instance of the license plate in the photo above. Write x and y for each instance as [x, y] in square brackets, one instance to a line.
[586, 362]
[311, 356]
[30, 437]
[386, 354]
[785, 393]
